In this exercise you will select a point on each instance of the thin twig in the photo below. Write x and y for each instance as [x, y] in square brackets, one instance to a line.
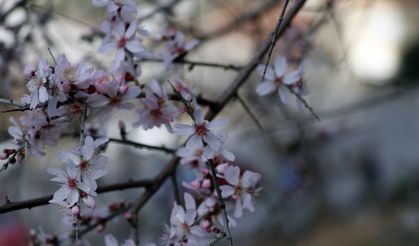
[274, 37]
[142, 146]
[52, 56]
[215, 241]
[12, 102]
[166, 7]
[55, 12]
[220, 200]
[197, 63]
[305, 103]
[83, 118]
[104, 220]
[176, 191]
[249, 112]
[237, 22]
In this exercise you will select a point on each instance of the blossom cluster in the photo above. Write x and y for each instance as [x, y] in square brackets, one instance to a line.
[84, 165]
[204, 152]
[176, 46]
[123, 35]
[64, 94]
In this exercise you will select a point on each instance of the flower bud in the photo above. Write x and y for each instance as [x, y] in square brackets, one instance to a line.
[195, 184]
[205, 224]
[123, 89]
[206, 183]
[100, 228]
[128, 216]
[89, 201]
[75, 210]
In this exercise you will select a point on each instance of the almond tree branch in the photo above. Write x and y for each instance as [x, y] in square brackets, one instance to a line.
[274, 39]
[197, 63]
[162, 8]
[41, 201]
[249, 112]
[11, 102]
[242, 19]
[142, 146]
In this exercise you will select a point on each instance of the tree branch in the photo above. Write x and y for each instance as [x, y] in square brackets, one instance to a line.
[197, 63]
[142, 146]
[162, 8]
[41, 201]
[11, 102]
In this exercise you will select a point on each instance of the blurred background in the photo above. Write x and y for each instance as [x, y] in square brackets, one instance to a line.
[350, 179]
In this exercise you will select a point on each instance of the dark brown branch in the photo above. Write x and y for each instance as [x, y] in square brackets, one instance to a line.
[248, 69]
[197, 63]
[162, 8]
[31, 203]
[141, 145]
[242, 19]
[104, 220]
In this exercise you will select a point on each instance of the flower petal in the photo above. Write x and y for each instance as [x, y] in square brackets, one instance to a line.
[135, 46]
[88, 148]
[280, 66]
[232, 174]
[269, 75]
[265, 88]
[226, 191]
[284, 94]
[218, 124]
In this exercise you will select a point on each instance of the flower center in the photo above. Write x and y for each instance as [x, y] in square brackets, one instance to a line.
[72, 183]
[180, 50]
[155, 112]
[114, 100]
[84, 165]
[201, 130]
[198, 152]
[122, 42]
[279, 81]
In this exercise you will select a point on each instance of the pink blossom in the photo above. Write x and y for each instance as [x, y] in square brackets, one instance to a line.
[202, 131]
[277, 79]
[125, 39]
[156, 110]
[195, 156]
[73, 77]
[71, 185]
[113, 94]
[176, 46]
[86, 162]
[37, 83]
[183, 227]
[208, 209]
[241, 188]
